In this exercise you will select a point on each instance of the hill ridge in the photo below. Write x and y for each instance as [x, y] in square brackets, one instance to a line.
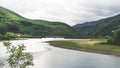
[13, 22]
[99, 28]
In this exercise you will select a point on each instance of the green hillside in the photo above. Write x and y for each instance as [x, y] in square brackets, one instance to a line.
[13, 22]
[100, 28]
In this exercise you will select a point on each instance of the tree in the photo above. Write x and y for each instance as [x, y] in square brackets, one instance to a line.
[10, 35]
[115, 39]
[17, 58]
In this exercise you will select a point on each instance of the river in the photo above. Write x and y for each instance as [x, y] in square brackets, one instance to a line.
[47, 56]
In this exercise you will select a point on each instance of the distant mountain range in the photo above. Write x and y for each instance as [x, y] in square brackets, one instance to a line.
[13, 22]
[100, 28]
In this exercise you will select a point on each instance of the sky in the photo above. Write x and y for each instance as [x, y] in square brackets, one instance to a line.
[68, 11]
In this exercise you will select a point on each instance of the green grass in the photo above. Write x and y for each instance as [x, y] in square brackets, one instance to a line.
[92, 45]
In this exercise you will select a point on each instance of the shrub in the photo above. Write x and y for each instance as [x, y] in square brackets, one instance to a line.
[17, 58]
[115, 39]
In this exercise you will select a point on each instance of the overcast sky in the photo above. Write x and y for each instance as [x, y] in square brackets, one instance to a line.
[69, 11]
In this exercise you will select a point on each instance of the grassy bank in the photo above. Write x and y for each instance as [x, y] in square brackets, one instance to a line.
[91, 45]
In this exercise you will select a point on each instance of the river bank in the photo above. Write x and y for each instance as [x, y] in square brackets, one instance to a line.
[91, 45]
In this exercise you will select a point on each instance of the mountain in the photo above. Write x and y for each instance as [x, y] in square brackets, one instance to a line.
[13, 22]
[100, 28]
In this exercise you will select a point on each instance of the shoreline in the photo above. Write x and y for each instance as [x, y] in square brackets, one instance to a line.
[80, 49]
[14, 39]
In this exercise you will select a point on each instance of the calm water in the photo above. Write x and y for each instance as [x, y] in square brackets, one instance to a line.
[47, 56]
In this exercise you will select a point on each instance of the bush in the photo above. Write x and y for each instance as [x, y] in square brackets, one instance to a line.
[115, 39]
[8, 36]
[17, 58]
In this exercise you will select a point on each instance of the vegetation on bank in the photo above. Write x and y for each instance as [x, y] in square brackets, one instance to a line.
[115, 38]
[7, 36]
[89, 45]
[12, 36]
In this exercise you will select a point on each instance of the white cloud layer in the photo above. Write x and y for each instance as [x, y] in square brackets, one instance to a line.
[69, 11]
